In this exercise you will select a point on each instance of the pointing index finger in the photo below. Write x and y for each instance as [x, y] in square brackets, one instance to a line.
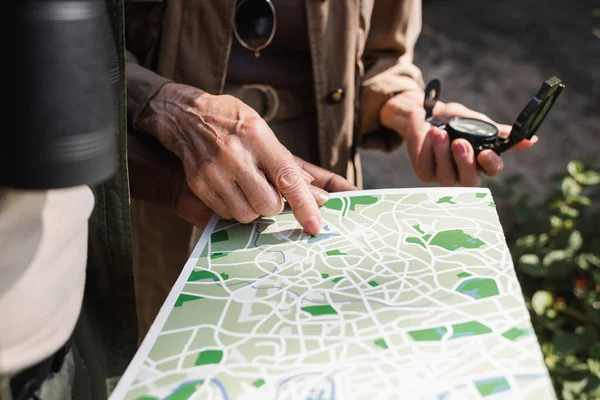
[278, 164]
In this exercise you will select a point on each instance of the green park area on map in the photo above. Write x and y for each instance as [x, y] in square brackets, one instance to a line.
[409, 292]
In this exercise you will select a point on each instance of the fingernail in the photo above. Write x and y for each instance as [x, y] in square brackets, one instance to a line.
[440, 136]
[461, 148]
[320, 195]
[313, 226]
[500, 166]
[324, 197]
[534, 139]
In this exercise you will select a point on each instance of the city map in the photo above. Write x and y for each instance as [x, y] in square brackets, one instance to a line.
[405, 294]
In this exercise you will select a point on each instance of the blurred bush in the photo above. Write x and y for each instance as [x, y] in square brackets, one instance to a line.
[555, 244]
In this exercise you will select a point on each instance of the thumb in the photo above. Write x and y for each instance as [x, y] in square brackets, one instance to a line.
[450, 110]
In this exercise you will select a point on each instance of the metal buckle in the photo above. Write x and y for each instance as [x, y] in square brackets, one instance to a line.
[271, 99]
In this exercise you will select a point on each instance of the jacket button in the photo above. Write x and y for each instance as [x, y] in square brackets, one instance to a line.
[336, 96]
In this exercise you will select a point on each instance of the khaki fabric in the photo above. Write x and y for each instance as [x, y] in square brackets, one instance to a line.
[366, 41]
[363, 47]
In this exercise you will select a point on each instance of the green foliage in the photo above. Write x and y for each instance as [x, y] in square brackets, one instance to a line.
[556, 251]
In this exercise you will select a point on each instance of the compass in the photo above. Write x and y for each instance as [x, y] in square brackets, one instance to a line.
[484, 135]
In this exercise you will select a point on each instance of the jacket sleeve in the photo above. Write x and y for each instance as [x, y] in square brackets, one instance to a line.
[393, 30]
[142, 85]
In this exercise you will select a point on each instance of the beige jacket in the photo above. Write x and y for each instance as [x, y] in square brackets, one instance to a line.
[363, 47]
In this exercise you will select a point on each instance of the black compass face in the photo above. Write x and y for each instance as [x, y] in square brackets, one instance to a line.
[484, 135]
[474, 127]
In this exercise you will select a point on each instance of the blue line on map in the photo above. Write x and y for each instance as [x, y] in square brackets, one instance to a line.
[272, 251]
[302, 378]
[203, 381]
[322, 237]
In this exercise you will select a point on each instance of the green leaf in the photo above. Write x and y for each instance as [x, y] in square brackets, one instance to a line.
[556, 262]
[575, 168]
[582, 262]
[593, 259]
[575, 241]
[585, 261]
[580, 200]
[569, 224]
[527, 242]
[569, 211]
[555, 256]
[556, 204]
[572, 390]
[556, 222]
[589, 178]
[541, 300]
[530, 259]
[543, 239]
[570, 187]
[530, 264]
[567, 343]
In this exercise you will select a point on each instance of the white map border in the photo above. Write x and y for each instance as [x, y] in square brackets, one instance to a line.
[124, 384]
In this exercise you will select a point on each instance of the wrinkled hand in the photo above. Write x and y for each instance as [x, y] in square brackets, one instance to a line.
[189, 207]
[233, 162]
[432, 157]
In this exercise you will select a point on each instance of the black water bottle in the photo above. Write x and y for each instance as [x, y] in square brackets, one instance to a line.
[60, 128]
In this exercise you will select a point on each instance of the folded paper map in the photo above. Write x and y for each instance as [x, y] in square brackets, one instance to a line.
[405, 294]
